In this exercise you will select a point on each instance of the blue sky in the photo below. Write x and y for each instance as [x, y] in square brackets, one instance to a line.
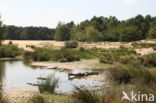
[50, 12]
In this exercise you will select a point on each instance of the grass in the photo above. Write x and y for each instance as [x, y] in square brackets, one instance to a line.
[129, 75]
[37, 99]
[85, 96]
[70, 55]
[113, 94]
[49, 85]
[149, 60]
[10, 51]
[112, 55]
[144, 45]
[44, 54]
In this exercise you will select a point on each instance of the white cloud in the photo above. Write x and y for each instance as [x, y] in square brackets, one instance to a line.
[129, 1]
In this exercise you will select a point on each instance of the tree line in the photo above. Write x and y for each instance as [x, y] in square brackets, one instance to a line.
[96, 29]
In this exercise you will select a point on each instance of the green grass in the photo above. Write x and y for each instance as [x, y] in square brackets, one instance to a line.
[37, 99]
[149, 60]
[130, 75]
[49, 85]
[10, 51]
[44, 54]
[113, 55]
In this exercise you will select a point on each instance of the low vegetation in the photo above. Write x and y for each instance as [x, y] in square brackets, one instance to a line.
[49, 85]
[113, 55]
[149, 60]
[62, 55]
[71, 44]
[10, 51]
[36, 99]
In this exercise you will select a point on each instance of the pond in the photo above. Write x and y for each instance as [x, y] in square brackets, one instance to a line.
[16, 74]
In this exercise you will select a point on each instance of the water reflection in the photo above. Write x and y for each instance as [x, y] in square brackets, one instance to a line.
[2, 71]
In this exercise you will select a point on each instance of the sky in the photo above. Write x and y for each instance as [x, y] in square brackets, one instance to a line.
[49, 12]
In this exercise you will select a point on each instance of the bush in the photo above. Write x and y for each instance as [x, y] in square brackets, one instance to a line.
[10, 42]
[125, 74]
[43, 54]
[149, 60]
[107, 59]
[130, 60]
[71, 44]
[49, 85]
[120, 74]
[112, 55]
[85, 96]
[10, 51]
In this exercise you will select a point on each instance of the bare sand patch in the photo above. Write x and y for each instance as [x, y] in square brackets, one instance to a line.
[83, 64]
[145, 51]
[56, 44]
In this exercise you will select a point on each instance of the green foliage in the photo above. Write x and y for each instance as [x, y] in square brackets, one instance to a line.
[95, 29]
[63, 32]
[129, 33]
[42, 54]
[10, 42]
[112, 55]
[127, 74]
[10, 51]
[149, 60]
[92, 34]
[107, 59]
[68, 55]
[85, 96]
[28, 33]
[111, 36]
[1, 32]
[130, 60]
[71, 44]
[49, 85]
[152, 33]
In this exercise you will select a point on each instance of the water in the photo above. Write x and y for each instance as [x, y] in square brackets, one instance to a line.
[16, 74]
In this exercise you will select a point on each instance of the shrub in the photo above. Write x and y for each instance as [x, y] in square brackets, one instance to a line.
[71, 44]
[125, 74]
[81, 49]
[107, 59]
[149, 60]
[130, 60]
[49, 85]
[10, 51]
[85, 96]
[120, 74]
[43, 54]
[10, 42]
[112, 55]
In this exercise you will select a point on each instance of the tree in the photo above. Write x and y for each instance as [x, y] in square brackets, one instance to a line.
[62, 33]
[152, 33]
[1, 32]
[92, 34]
[129, 33]
[111, 36]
